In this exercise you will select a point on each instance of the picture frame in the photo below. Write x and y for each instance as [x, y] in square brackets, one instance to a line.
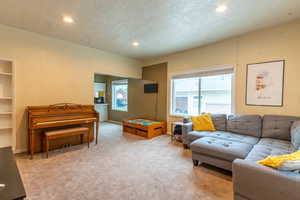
[265, 83]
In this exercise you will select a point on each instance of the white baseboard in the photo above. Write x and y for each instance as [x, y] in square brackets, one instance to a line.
[20, 151]
[115, 122]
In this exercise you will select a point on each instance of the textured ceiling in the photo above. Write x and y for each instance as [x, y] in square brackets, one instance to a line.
[161, 26]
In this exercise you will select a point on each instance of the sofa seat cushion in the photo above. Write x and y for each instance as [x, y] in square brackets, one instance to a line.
[276, 143]
[260, 152]
[221, 148]
[223, 135]
[194, 135]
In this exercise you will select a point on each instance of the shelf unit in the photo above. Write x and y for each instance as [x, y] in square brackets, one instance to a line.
[7, 102]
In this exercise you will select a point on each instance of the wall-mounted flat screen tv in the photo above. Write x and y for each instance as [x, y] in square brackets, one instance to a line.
[151, 88]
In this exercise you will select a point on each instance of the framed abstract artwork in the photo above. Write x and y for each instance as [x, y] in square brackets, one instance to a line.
[265, 83]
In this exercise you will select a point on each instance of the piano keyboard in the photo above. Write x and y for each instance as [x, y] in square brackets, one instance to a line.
[70, 120]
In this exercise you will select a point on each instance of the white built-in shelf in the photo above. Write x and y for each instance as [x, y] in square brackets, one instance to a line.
[5, 74]
[6, 98]
[5, 128]
[5, 113]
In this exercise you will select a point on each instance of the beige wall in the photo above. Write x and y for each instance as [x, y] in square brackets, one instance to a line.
[159, 74]
[50, 71]
[280, 42]
[98, 78]
[139, 104]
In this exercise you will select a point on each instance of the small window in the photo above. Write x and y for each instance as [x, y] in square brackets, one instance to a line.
[186, 96]
[120, 95]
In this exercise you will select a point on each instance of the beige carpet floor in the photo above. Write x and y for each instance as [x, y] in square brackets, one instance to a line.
[122, 167]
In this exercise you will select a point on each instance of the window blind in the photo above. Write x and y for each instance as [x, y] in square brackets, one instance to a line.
[212, 72]
[120, 82]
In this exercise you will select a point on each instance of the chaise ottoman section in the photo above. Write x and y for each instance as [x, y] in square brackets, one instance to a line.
[194, 135]
[218, 152]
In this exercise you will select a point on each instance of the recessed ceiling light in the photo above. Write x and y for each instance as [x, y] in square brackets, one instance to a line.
[221, 8]
[68, 20]
[135, 44]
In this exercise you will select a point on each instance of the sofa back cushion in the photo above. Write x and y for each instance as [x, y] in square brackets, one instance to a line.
[219, 121]
[245, 124]
[278, 126]
[295, 135]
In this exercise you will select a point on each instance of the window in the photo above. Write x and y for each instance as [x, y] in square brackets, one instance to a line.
[186, 96]
[209, 94]
[120, 95]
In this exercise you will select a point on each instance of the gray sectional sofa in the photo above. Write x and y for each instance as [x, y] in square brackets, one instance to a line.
[238, 142]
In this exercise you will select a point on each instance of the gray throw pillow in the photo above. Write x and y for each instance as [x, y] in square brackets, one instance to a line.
[295, 135]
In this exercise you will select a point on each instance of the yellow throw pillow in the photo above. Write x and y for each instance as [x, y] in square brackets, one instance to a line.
[278, 161]
[203, 123]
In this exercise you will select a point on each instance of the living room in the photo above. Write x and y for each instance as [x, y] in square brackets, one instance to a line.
[220, 75]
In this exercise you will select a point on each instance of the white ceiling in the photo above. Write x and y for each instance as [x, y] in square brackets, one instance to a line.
[161, 26]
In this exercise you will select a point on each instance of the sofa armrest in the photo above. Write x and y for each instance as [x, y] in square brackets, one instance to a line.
[258, 182]
[186, 128]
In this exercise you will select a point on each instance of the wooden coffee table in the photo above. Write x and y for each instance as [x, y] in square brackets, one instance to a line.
[144, 127]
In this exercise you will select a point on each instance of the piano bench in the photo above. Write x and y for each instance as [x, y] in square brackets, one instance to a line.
[50, 135]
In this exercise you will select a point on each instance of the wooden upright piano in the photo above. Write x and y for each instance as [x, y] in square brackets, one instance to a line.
[41, 118]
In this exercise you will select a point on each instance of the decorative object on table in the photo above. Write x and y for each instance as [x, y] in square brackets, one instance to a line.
[144, 127]
[176, 131]
[101, 93]
[265, 82]
[101, 96]
[186, 119]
